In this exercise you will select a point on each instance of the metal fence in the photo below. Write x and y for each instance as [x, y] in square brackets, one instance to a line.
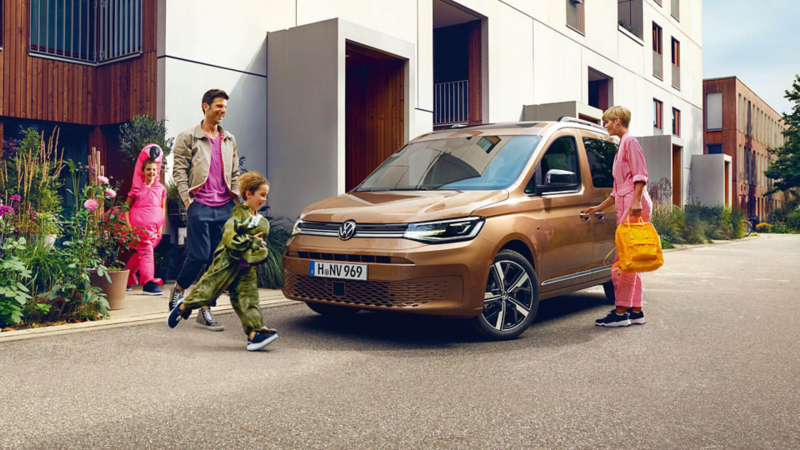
[73, 29]
[120, 29]
[451, 103]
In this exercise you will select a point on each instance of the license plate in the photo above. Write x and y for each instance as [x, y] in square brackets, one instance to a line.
[344, 271]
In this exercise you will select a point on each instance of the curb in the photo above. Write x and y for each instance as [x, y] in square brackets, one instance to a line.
[682, 247]
[57, 330]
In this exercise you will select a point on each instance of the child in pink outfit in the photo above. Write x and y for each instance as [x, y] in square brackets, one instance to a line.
[631, 202]
[147, 200]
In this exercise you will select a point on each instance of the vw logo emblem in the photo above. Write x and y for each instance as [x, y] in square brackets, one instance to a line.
[347, 230]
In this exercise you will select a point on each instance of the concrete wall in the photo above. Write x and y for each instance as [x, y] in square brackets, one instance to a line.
[306, 86]
[708, 179]
[199, 49]
[554, 111]
[530, 55]
[658, 157]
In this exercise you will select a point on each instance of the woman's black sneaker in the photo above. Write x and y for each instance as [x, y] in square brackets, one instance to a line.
[637, 318]
[614, 320]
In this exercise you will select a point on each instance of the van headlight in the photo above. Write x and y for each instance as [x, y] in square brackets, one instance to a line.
[296, 228]
[444, 231]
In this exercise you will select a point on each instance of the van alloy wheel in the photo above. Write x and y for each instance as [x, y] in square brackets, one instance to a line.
[511, 298]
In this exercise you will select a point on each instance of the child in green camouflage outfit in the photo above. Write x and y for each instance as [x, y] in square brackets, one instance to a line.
[242, 248]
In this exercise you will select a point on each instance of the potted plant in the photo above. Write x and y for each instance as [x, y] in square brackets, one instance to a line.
[97, 238]
[176, 212]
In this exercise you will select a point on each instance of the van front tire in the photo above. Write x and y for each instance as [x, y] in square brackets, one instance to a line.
[511, 298]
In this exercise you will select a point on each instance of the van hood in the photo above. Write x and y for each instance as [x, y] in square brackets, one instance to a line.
[400, 206]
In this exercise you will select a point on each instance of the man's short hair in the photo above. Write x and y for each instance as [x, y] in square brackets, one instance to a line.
[210, 95]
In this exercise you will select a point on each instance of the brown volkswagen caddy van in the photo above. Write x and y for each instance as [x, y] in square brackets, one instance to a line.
[475, 222]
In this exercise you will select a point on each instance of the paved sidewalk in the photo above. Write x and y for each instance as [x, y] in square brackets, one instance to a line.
[139, 309]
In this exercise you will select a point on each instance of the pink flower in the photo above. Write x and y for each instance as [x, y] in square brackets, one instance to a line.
[6, 210]
[90, 204]
[15, 198]
[110, 192]
[103, 180]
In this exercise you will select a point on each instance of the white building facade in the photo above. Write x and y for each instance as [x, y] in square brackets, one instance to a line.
[322, 91]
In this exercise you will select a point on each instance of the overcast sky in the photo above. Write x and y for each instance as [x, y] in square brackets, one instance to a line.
[755, 40]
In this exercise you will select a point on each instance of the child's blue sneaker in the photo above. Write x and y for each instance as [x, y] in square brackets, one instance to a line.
[261, 339]
[176, 315]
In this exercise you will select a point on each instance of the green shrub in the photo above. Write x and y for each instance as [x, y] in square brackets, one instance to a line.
[668, 222]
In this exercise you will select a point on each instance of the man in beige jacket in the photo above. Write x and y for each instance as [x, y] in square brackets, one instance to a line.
[206, 172]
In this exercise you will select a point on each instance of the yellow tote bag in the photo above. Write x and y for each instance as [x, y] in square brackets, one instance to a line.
[639, 247]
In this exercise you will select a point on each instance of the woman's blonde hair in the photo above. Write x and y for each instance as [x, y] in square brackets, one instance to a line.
[618, 112]
[250, 182]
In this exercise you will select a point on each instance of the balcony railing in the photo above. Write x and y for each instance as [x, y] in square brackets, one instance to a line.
[658, 65]
[676, 76]
[451, 103]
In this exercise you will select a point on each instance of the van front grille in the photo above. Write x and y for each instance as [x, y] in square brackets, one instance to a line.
[375, 259]
[389, 294]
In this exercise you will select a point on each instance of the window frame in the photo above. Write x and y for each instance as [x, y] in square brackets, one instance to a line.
[537, 178]
[580, 15]
[106, 31]
[676, 122]
[584, 140]
[658, 113]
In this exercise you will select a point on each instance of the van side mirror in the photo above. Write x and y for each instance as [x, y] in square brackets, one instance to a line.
[557, 180]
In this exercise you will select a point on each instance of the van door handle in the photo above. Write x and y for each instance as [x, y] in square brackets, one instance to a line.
[599, 215]
[584, 216]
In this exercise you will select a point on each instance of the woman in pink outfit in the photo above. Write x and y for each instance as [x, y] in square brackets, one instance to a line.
[630, 201]
[147, 200]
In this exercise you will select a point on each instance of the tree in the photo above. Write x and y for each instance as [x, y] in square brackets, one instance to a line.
[786, 169]
[140, 131]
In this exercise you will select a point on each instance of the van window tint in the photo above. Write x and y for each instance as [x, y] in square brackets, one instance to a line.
[601, 161]
[558, 167]
[473, 164]
[563, 156]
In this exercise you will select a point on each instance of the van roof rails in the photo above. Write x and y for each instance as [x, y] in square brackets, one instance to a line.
[581, 121]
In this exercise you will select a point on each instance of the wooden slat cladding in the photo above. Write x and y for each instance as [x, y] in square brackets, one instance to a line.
[374, 116]
[42, 89]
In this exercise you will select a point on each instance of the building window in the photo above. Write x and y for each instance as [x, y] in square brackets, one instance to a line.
[676, 64]
[575, 16]
[676, 9]
[714, 149]
[630, 16]
[749, 118]
[658, 52]
[714, 111]
[85, 30]
[676, 122]
[657, 115]
[739, 164]
[739, 110]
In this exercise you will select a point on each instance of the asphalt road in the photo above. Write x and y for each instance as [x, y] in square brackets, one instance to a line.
[716, 366]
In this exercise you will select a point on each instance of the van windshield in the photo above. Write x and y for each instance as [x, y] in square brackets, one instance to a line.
[474, 163]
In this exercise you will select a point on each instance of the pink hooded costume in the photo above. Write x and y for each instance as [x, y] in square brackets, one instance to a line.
[147, 213]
